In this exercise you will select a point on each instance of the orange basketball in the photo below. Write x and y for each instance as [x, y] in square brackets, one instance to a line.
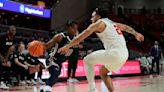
[36, 48]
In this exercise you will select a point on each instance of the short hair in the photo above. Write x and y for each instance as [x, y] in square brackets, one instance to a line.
[70, 23]
[12, 27]
[103, 10]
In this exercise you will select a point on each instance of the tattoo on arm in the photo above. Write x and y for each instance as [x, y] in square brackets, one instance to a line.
[131, 30]
[127, 28]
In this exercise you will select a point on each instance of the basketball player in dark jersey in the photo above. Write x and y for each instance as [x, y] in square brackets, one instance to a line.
[35, 61]
[55, 60]
[6, 41]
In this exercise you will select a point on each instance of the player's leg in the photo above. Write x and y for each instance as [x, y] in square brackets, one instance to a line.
[74, 67]
[54, 72]
[69, 68]
[152, 68]
[89, 69]
[89, 61]
[107, 80]
[107, 58]
[75, 61]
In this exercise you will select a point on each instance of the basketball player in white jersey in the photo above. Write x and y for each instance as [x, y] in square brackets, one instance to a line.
[115, 53]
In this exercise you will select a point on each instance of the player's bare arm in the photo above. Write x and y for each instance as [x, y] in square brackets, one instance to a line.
[95, 27]
[8, 53]
[126, 28]
[20, 64]
[57, 38]
[26, 63]
[129, 29]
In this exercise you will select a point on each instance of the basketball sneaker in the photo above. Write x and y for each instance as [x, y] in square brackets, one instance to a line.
[93, 90]
[3, 86]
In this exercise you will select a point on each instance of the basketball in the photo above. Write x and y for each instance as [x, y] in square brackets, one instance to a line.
[36, 48]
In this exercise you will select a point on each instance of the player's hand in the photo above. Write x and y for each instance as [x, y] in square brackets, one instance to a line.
[26, 67]
[63, 50]
[8, 64]
[139, 37]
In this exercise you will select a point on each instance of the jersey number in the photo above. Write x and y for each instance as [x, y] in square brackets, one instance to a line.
[117, 29]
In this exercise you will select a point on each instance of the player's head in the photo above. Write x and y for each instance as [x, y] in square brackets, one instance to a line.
[72, 27]
[12, 29]
[21, 47]
[156, 43]
[100, 12]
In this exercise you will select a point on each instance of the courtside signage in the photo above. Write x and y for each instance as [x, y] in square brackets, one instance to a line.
[25, 9]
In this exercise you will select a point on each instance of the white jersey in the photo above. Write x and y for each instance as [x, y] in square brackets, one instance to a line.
[112, 37]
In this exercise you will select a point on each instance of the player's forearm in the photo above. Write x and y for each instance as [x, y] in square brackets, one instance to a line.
[80, 37]
[127, 28]
[7, 56]
[47, 46]
[8, 53]
[19, 64]
[2, 58]
[56, 39]
[73, 43]
[131, 30]
[27, 64]
[76, 40]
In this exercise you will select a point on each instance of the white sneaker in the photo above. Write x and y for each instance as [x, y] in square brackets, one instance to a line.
[33, 81]
[48, 89]
[41, 88]
[70, 80]
[45, 89]
[3, 86]
[28, 82]
[159, 76]
[22, 82]
[41, 82]
[75, 80]
[35, 89]
[151, 76]
[93, 90]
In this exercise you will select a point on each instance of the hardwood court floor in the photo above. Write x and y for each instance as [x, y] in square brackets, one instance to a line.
[147, 83]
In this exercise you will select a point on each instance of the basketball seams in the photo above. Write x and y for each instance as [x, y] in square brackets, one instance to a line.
[35, 49]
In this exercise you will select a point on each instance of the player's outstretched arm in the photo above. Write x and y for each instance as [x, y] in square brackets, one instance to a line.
[129, 29]
[95, 27]
[57, 38]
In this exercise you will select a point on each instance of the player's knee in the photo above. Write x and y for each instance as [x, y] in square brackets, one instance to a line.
[87, 60]
[103, 72]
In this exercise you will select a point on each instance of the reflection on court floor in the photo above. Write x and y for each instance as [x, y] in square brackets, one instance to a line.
[149, 83]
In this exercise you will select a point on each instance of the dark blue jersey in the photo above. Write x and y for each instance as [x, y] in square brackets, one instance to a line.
[57, 57]
[32, 60]
[5, 43]
[20, 56]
